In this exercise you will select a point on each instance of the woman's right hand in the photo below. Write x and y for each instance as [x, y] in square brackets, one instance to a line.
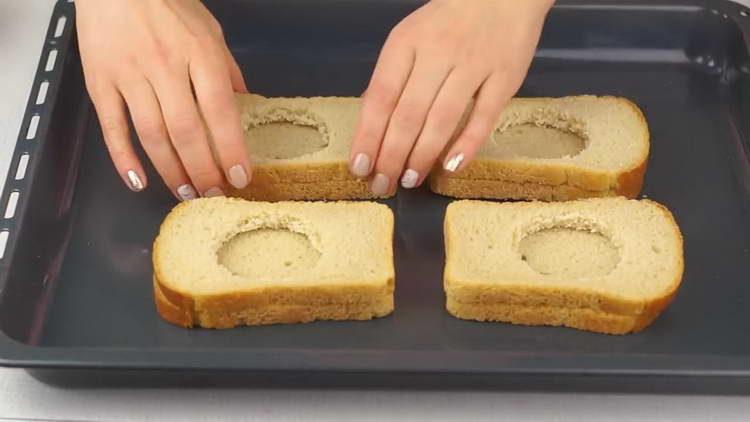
[167, 61]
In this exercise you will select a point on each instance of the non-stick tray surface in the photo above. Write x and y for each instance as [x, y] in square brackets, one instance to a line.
[75, 286]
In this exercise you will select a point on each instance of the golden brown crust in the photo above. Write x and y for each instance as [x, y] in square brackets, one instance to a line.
[502, 189]
[579, 318]
[575, 308]
[331, 190]
[582, 319]
[359, 300]
[630, 182]
[272, 306]
[171, 305]
[485, 178]
[302, 172]
[172, 312]
[629, 185]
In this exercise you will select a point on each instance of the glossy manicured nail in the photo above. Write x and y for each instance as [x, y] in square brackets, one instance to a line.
[452, 164]
[213, 192]
[361, 165]
[409, 179]
[380, 184]
[186, 192]
[237, 176]
[134, 181]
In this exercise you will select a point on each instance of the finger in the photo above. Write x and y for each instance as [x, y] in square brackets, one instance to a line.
[494, 94]
[198, 19]
[407, 121]
[149, 123]
[111, 112]
[235, 74]
[388, 79]
[187, 132]
[213, 89]
[444, 116]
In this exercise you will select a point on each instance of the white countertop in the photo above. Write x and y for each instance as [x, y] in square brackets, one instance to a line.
[22, 28]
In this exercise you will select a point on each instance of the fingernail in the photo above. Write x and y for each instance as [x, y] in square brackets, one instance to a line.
[380, 184]
[452, 164]
[186, 192]
[361, 165]
[409, 179]
[213, 192]
[237, 176]
[134, 181]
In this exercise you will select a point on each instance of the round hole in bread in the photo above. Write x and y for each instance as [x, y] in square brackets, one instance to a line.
[569, 251]
[544, 133]
[267, 251]
[282, 133]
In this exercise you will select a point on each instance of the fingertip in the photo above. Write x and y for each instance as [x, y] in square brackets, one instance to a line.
[454, 161]
[238, 176]
[185, 192]
[410, 179]
[381, 184]
[135, 180]
[361, 165]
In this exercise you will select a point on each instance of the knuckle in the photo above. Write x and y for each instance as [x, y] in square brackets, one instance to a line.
[206, 43]
[398, 32]
[407, 119]
[215, 27]
[118, 152]
[96, 84]
[149, 129]
[382, 93]
[111, 125]
[216, 100]
[184, 126]
[162, 55]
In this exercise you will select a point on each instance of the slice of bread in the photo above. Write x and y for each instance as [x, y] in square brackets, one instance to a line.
[553, 149]
[224, 262]
[609, 265]
[300, 148]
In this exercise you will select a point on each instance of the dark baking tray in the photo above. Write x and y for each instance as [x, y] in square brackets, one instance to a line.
[75, 289]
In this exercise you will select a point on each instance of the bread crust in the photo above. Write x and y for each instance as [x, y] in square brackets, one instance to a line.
[578, 318]
[359, 300]
[503, 189]
[328, 189]
[489, 179]
[263, 308]
[570, 307]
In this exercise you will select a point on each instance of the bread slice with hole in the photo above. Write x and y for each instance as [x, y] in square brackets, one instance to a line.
[300, 148]
[609, 265]
[556, 149]
[224, 262]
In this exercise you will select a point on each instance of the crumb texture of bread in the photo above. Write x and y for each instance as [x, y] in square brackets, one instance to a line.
[608, 265]
[223, 262]
[299, 148]
[554, 149]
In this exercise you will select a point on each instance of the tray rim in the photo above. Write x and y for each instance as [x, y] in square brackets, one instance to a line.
[17, 354]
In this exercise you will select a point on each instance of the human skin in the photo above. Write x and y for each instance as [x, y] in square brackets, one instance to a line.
[165, 62]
